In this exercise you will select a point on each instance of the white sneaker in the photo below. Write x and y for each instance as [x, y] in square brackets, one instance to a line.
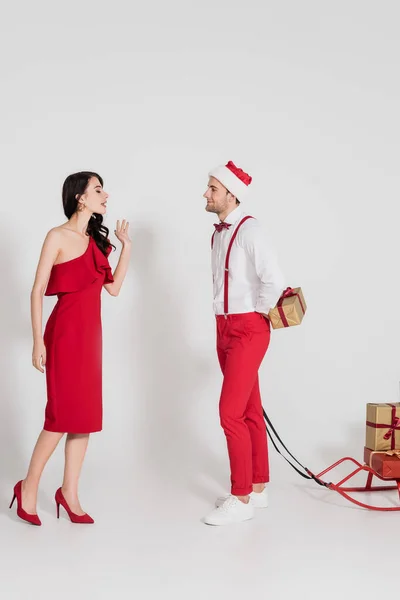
[232, 510]
[259, 499]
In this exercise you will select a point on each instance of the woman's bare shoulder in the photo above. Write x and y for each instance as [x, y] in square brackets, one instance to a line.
[60, 231]
[56, 236]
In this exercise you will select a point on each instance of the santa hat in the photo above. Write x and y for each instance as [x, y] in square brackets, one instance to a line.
[234, 179]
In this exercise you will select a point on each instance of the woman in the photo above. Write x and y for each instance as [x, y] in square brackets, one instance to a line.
[74, 266]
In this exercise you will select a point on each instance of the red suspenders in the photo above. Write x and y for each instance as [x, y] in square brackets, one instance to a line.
[228, 253]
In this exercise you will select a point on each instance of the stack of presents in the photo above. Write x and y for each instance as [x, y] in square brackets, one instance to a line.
[382, 445]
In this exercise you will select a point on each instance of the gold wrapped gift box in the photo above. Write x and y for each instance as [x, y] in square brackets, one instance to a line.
[290, 309]
[383, 426]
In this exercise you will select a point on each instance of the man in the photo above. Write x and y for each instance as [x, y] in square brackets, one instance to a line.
[246, 287]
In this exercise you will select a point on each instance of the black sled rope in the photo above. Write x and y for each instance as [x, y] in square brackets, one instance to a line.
[271, 431]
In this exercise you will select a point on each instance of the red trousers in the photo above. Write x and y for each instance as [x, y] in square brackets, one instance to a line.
[242, 341]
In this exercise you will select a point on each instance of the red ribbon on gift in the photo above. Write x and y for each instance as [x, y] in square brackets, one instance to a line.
[288, 293]
[392, 428]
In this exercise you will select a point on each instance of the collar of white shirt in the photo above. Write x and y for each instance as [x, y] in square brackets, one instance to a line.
[234, 216]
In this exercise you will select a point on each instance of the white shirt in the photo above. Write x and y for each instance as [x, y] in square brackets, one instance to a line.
[255, 280]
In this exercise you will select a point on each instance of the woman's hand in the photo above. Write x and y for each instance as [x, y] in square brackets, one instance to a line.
[39, 355]
[122, 233]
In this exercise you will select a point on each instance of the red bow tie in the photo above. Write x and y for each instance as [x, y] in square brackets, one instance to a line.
[221, 226]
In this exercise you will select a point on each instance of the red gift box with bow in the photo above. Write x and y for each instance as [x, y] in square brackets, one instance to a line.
[386, 464]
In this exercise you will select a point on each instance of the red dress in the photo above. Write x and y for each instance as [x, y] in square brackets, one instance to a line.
[73, 340]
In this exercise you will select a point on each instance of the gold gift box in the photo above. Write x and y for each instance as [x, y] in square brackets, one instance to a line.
[290, 309]
[383, 426]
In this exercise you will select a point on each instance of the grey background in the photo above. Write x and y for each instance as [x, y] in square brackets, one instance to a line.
[302, 95]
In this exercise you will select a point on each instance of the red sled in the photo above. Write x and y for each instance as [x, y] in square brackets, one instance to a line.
[388, 466]
[371, 473]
